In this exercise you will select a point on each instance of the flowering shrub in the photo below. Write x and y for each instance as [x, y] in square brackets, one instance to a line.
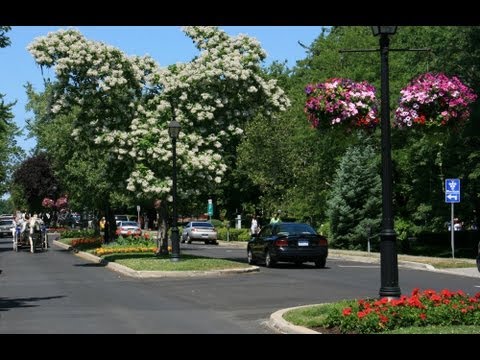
[135, 240]
[434, 100]
[86, 243]
[420, 309]
[215, 95]
[48, 203]
[124, 250]
[341, 101]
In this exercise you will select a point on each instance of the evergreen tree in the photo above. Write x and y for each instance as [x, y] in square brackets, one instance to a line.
[354, 208]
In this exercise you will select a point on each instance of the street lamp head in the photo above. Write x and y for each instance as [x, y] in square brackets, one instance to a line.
[173, 129]
[387, 30]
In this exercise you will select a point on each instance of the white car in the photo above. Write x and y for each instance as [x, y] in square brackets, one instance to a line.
[7, 227]
[201, 231]
[128, 228]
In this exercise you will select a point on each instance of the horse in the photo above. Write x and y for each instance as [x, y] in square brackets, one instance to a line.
[33, 229]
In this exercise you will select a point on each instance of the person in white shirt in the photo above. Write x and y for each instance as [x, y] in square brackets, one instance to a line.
[254, 225]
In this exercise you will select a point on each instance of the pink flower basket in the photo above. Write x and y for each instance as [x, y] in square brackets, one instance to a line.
[434, 100]
[341, 101]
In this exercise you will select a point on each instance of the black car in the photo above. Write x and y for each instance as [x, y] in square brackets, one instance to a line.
[289, 242]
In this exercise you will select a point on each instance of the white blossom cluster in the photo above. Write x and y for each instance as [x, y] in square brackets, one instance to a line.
[212, 97]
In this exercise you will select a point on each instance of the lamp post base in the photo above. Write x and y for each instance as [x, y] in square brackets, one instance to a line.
[175, 256]
[389, 265]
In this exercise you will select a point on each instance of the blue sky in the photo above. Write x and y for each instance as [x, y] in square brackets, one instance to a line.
[166, 44]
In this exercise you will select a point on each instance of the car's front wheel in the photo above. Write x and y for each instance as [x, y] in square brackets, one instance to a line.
[250, 257]
[189, 241]
[269, 262]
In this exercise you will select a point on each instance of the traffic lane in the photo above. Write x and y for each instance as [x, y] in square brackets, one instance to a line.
[337, 269]
[6, 244]
[258, 295]
[56, 292]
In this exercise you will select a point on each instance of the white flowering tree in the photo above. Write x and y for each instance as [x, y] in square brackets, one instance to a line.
[126, 103]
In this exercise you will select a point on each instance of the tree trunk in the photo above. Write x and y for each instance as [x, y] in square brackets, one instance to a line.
[162, 223]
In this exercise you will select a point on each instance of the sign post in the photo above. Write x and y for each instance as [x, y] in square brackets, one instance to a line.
[138, 217]
[452, 195]
[210, 209]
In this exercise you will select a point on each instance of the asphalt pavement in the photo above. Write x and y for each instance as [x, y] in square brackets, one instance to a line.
[72, 295]
[276, 321]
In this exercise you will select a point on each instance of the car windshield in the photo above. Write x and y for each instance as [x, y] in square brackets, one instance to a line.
[128, 223]
[202, 224]
[295, 229]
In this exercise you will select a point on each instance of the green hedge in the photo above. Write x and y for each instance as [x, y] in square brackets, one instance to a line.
[235, 234]
[77, 234]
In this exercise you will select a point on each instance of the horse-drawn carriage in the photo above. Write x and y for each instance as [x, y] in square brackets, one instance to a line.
[31, 233]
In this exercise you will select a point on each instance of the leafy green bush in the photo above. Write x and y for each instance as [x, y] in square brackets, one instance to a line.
[217, 223]
[235, 234]
[133, 241]
[244, 235]
[77, 234]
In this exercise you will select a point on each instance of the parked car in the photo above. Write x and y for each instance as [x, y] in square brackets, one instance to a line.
[119, 218]
[128, 228]
[201, 231]
[7, 227]
[289, 242]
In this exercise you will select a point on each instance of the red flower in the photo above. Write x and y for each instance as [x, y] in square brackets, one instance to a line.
[347, 311]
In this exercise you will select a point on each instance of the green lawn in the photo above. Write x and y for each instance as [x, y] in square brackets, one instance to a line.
[148, 261]
[458, 329]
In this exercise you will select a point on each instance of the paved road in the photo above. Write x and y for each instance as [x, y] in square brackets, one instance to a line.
[57, 292]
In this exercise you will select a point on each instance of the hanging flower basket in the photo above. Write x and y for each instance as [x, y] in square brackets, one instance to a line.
[341, 101]
[61, 202]
[48, 203]
[434, 100]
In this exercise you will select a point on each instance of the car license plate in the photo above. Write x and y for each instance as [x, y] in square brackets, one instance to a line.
[302, 242]
[204, 235]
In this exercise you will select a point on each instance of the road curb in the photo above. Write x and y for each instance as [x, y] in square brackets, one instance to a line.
[282, 326]
[153, 274]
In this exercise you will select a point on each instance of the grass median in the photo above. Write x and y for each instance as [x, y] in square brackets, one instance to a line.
[150, 262]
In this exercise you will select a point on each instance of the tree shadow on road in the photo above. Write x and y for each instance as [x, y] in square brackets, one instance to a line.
[10, 303]
[102, 264]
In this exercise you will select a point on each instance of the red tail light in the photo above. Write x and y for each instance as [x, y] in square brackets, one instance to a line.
[323, 242]
[281, 242]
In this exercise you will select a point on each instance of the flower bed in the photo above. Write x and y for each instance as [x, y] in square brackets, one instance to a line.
[86, 243]
[341, 101]
[434, 100]
[126, 249]
[123, 250]
[427, 308]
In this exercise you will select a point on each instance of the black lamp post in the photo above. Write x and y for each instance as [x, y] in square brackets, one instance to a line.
[388, 252]
[173, 131]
